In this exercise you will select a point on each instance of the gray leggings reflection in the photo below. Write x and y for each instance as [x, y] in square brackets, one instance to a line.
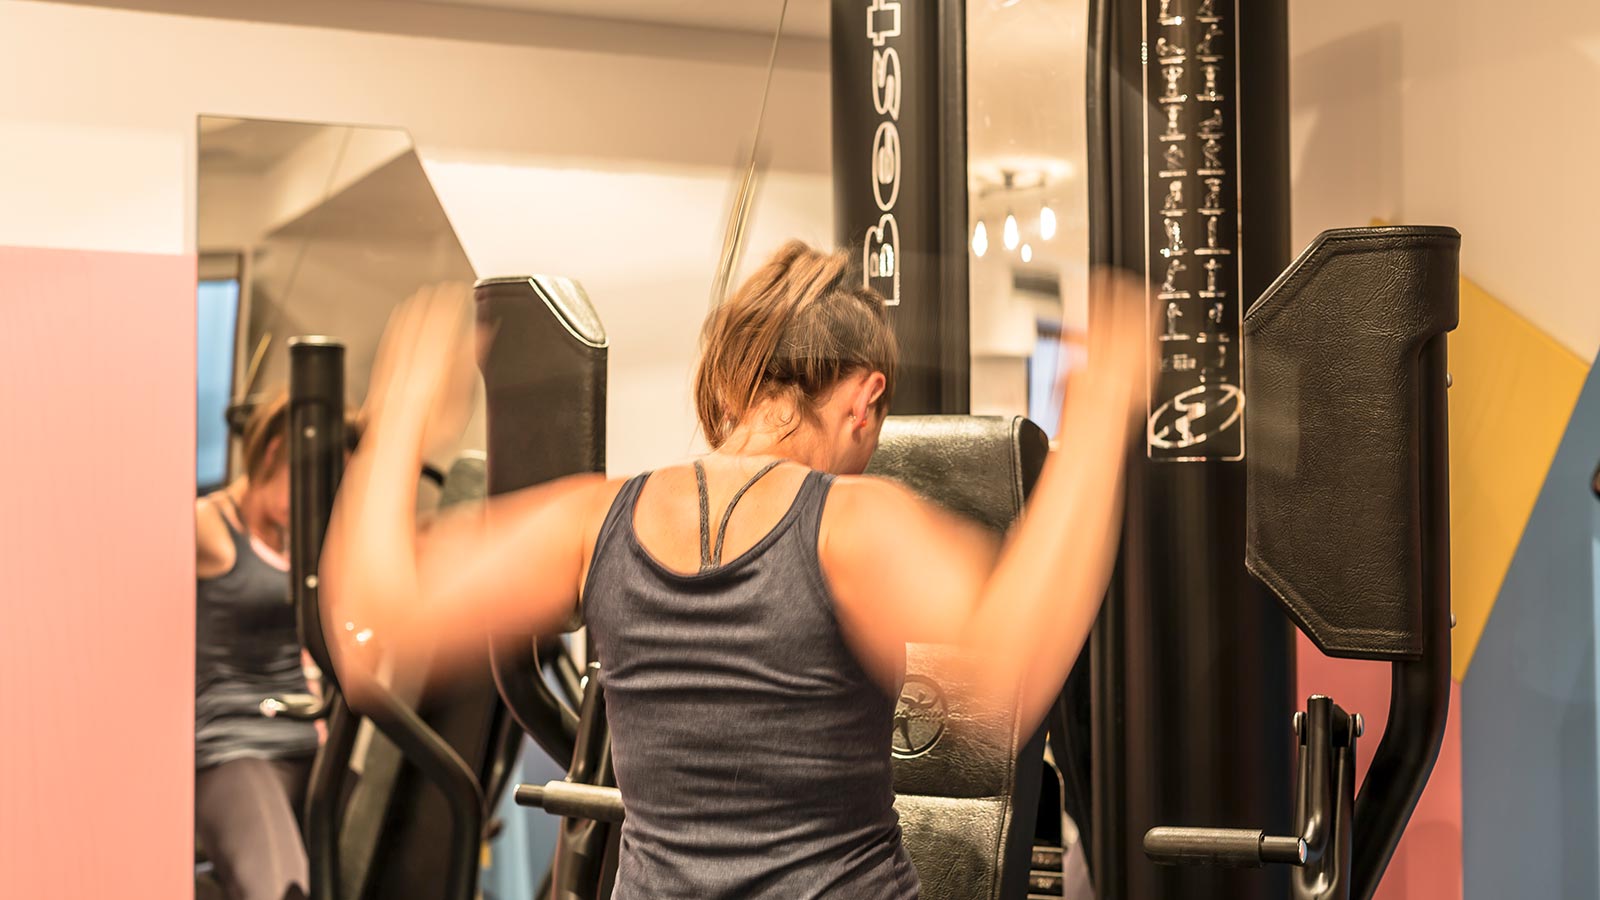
[246, 820]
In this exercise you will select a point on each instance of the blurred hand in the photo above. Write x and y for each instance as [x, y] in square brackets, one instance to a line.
[1110, 370]
[425, 372]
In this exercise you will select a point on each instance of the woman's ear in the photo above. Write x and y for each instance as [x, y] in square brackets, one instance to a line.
[868, 390]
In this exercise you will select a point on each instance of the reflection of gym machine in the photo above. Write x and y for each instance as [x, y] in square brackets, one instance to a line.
[390, 812]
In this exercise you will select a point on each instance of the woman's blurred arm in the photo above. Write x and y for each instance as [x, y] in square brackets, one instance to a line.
[904, 570]
[512, 563]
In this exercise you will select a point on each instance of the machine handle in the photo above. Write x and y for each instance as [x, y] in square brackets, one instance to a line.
[515, 665]
[1222, 847]
[441, 764]
[297, 707]
[573, 801]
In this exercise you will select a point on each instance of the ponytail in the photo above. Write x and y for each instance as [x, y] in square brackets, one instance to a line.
[794, 329]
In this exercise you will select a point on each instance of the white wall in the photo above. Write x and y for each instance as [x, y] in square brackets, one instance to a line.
[1473, 113]
[599, 150]
[638, 242]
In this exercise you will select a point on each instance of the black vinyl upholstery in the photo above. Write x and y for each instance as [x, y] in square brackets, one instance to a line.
[966, 777]
[1335, 468]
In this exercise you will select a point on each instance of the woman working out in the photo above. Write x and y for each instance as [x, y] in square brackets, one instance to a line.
[764, 590]
[250, 771]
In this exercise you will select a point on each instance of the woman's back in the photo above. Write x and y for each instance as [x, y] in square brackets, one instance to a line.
[751, 747]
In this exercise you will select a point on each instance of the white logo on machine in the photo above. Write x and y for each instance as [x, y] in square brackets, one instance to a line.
[886, 165]
[880, 247]
[886, 82]
[883, 21]
[1194, 416]
[880, 257]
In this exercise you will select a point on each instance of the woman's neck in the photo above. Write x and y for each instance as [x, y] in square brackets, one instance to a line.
[254, 521]
[781, 432]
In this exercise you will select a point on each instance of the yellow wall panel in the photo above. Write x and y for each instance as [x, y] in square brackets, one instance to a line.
[1514, 390]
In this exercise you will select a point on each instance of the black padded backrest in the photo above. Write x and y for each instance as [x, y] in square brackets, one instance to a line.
[966, 777]
[982, 467]
[1334, 464]
[545, 380]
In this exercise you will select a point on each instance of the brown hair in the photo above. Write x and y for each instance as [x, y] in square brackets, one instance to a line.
[265, 447]
[795, 328]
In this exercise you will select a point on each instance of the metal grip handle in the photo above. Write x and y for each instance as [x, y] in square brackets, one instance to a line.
[573, 801]
[298, 707]
[1222, 847]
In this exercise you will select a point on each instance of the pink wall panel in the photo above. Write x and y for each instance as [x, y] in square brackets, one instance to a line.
[1427, 865]
[96, 574]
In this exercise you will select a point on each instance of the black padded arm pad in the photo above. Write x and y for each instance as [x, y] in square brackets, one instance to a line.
[1334, 521]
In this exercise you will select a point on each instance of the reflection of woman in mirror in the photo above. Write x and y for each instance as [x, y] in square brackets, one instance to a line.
[796, 625]
[250, 771]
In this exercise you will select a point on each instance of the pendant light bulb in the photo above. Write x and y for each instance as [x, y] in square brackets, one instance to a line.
[1011, 235]
[980, 239]
[1047, 223]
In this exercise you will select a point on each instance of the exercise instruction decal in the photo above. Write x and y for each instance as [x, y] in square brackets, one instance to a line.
[1195, 405]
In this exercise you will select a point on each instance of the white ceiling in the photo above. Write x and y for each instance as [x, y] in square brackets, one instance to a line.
[808, 18]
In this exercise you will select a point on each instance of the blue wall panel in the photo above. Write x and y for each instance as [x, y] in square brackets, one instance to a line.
[1530, 770]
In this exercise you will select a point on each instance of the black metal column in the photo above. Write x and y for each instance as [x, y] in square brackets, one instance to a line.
[316, 460]
[1193, 662]
[900, 181]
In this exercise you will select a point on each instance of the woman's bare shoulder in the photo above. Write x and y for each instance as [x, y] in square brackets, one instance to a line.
[213, 545]
[604, 493]
[873, 491]
[211, 512]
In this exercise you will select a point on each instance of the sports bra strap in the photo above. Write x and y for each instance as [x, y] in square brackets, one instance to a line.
[241, 531]
[708, 558]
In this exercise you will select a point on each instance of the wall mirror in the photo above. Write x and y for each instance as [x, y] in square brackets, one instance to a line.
[302, 229]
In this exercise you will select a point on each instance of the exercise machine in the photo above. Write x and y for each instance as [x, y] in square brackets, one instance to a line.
[1347, 461]
[348, 817]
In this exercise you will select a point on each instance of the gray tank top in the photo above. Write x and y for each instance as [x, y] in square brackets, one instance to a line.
[246, 649]
[751, 748]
